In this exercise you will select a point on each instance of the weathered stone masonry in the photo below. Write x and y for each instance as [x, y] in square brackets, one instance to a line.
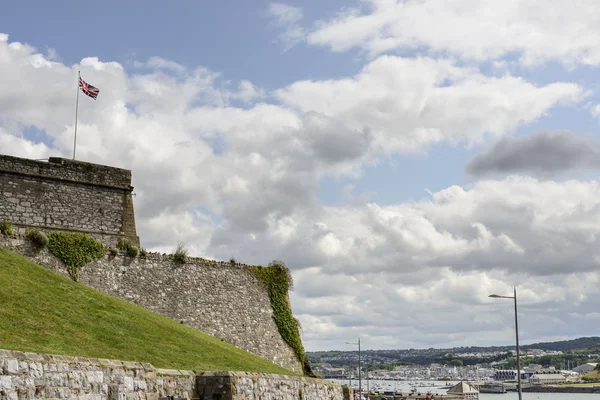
[31, 375]
[224, 300]
[67, 195]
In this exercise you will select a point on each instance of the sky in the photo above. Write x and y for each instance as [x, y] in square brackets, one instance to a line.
[405, 159]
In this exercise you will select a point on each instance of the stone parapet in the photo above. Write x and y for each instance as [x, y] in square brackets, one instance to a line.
[30, 375]
[67, 195]
[228, 385]
[63, 169]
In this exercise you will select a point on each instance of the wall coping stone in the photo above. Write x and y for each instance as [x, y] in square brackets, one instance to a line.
[174, 372]
[85, 172]
[12, 243]
[244, 374]
[40, 357]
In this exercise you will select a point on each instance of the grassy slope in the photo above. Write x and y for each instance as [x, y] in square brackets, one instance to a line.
[43, 312]
[593, 375]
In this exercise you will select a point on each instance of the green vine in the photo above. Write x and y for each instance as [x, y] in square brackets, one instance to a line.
[75, 250]
[278, 279]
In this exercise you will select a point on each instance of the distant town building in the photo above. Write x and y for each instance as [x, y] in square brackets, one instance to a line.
[546, 379]
[585, 368]
[536, 369]
[506, 374]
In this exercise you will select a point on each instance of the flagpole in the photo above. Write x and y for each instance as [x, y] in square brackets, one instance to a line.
[76, 111]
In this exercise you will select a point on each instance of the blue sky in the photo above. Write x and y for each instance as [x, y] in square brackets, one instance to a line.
[238, 40]
[232, 37]
[337, 136]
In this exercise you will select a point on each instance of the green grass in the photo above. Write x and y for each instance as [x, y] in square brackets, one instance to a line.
[43, 312]
[595, 375]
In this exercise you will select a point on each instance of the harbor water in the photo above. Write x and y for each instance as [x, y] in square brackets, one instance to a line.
[438, 387]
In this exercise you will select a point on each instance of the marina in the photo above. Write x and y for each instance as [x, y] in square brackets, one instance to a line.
[389, 389]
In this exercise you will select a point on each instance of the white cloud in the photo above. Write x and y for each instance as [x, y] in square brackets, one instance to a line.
[285, 14]
[411, 104]
[160, 63]
[287, 18]
[243, 182]
[247, 92]
[470, 29]
[18, 146]
[425, 269]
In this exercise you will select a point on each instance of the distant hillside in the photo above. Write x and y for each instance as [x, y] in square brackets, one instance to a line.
[567, 345]
[447, 355]
[43, 312]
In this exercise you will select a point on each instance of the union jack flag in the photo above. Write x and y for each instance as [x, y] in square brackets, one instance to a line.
[88, 89]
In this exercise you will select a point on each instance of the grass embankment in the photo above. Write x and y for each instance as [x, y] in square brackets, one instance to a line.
[579, 384]
[593, 376]
[43, 312]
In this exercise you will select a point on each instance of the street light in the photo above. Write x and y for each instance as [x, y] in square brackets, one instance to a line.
[495, 296]
[359, 377]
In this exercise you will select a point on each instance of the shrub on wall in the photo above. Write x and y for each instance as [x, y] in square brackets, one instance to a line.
[180, 254]
[37, 238]
[6, 228]
[75, 250]
[129, 248]
[278, 279]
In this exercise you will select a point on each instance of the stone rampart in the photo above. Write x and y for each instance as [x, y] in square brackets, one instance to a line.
[243, 385]
[67, 195]
[224, 300]
[31, 375]
[221, 299]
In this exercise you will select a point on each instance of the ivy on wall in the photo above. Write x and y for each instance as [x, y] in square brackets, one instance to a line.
[75, 250]
[278, 279]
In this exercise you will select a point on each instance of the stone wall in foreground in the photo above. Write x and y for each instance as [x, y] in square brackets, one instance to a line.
[31, 375]
[243, 385]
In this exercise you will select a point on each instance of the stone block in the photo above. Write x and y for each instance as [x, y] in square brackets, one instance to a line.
[12, 395]
[128, 383]
[11, 366]
[151, 396]
[114, 393]
[95, 376]
[36, 370]
[139, 384]
[5, 382]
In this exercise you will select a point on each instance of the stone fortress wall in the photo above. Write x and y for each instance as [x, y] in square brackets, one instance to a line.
[32, 375]
[67, 195]
[222, 299]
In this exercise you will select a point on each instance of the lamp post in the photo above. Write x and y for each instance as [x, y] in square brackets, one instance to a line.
[359, 377]
[495, 296]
